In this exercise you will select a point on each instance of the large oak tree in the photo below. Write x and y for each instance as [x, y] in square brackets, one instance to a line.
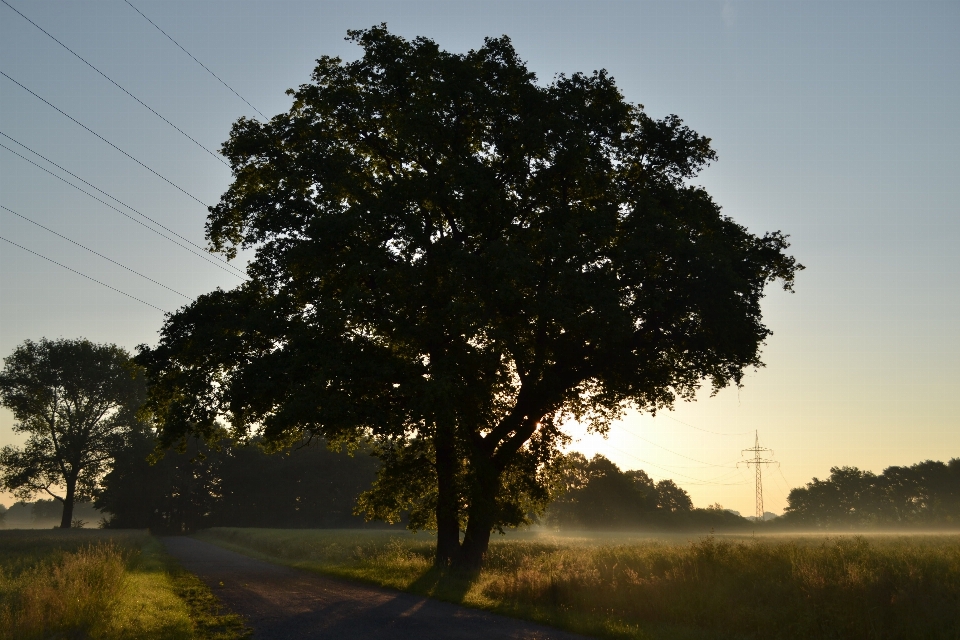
[455, 260]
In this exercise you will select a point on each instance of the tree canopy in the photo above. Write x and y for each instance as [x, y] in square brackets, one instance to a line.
[455, 260]
[926, 494]
[77, 403]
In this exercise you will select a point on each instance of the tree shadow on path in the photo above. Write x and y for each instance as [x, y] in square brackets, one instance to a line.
[444, 584]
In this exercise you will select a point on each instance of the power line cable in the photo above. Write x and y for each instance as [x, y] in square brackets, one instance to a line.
[151, 109]
[39, 255]
[122, 266]
[747, 480]
[200, 253]
[721, 481]
[169, 37]
[783, 492]
[690, 466]
[786, 482]
[718, 433]
[699, 481]
[168, 181]
[708, 464]
[204, 253]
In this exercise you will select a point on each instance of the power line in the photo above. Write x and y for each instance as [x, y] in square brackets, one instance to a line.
[83, 274]
[783, 492]
[195, 59]
[151, 109]
[698, 481]
[708, 464]
[204, 254]
[718, 433]
[34, 222]
[168, 181]
[786, 482]
[219, 262]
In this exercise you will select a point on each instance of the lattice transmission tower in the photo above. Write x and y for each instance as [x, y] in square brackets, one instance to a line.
[758, 463]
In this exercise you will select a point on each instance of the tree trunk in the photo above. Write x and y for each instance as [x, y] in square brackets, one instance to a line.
[475, 544]
[481, 516]
[448, 523]
[67, 517]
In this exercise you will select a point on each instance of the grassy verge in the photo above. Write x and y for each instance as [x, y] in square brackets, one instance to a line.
[712, 587]
[103, 585]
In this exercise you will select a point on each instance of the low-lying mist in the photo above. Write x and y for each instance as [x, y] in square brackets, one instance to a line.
[662, 585]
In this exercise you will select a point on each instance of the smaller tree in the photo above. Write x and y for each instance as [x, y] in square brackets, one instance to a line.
[672, 498]
[597, 494]
[77, 402]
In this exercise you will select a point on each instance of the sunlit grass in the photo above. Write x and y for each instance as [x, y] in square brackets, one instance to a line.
[103, 585]
[619, 587]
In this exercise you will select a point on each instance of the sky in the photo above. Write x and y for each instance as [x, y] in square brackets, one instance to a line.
[834, 122]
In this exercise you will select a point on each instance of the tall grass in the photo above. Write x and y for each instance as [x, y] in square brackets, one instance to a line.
[712, 587]
[60, 584]
[104, 585]
[75, 593]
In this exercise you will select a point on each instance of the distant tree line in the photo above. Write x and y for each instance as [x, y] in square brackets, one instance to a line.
[234, 485]
[45, 513]
[314, 487]
[596, 494]
[926, 494]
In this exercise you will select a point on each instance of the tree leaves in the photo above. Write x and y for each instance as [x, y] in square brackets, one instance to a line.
[442, 243]
[77, 402]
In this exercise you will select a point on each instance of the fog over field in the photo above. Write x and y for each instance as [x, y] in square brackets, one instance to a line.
[662, 586]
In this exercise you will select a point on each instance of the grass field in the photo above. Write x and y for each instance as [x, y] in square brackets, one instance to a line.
[79, 583]
[662, 588]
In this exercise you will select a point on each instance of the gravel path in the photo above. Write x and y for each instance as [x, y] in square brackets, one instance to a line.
[285, 603]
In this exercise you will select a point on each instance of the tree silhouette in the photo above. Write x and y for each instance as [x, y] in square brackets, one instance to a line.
[923, 494]
[454, 261]
[77, 403]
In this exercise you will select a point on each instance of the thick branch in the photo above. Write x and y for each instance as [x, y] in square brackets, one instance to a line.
[454, 229]
[51, 494]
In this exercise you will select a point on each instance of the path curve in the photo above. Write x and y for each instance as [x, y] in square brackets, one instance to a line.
[284, 603]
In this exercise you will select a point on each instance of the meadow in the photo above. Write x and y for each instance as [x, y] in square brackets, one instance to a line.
[108, 585]
[663, 588]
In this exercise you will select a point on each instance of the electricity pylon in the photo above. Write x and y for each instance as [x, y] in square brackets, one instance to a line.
[758, 462]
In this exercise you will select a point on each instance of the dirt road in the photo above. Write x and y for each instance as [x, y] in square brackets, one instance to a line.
[284, 603]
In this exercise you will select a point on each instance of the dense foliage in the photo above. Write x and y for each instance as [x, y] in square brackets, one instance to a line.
[454, 260]
[926, 494]
[229, 485]
[77, 403]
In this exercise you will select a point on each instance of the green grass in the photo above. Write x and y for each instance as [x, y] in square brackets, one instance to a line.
[103, 585]
[787, 587]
